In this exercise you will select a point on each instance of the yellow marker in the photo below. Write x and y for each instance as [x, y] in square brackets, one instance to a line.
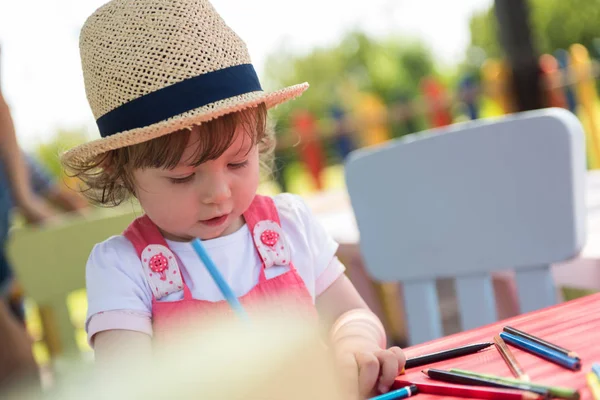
[587, 98]
[496, 78]
[594, 385]
[373, 119]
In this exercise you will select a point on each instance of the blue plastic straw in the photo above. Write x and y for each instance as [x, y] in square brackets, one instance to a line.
[218, 278]
[542, 351]
[397, 394]
[596, 369]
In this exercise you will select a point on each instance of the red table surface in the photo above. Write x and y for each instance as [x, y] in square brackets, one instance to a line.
[574, 325]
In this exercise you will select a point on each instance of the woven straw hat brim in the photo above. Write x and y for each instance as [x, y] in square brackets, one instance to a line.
[84, 153]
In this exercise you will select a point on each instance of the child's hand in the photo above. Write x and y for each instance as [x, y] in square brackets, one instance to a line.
[369, 369]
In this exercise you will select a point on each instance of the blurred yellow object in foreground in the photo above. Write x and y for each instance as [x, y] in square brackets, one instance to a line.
[270, 357]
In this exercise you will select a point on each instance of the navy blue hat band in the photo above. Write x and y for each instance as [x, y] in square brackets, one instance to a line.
[180, 97]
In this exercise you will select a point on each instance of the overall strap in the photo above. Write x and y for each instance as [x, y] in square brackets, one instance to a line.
[142, 232]
[262, 208]
[159, 263]
[262, 219]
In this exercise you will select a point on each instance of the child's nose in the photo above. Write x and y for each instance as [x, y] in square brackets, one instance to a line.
[216, 190]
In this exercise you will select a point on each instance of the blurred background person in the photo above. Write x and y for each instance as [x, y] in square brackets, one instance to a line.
[27, 188]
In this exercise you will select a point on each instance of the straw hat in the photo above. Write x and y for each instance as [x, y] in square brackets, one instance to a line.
[152, 67]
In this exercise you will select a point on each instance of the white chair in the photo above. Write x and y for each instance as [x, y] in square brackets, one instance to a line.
[468, 200]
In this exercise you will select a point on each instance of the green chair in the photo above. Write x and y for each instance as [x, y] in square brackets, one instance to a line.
[49, 264]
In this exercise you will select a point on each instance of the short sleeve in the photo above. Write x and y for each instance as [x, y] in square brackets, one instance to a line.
[115, 282]
[313, 246]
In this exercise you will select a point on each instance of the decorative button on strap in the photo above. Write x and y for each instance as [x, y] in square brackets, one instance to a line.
[161, 270]
[269, 237]
[159, 264]
[271, 243]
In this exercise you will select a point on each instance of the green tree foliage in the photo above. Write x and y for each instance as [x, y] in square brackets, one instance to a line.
[484, 32]
[555, 24]
[387, 67]
[48, 153]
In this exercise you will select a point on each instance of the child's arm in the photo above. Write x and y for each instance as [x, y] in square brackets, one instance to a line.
[358, 338]
[122, 345]
[119, 321]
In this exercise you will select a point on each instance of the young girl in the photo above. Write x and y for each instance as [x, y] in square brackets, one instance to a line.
[183, 123]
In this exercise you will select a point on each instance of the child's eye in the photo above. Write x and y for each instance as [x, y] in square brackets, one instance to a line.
[182, 180]
[238, 165]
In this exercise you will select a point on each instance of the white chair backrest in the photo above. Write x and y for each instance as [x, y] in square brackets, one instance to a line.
[467, 200]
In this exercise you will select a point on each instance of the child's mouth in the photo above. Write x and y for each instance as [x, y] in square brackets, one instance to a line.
[215, 221]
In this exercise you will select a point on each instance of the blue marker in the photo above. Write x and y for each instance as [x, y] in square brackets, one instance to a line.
[403, 393]
[542, 351]
[596, 369]
[218, 278]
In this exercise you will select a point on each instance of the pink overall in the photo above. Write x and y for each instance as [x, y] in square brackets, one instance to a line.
[163, 273]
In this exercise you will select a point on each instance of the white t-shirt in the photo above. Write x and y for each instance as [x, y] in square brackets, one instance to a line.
[119, 296]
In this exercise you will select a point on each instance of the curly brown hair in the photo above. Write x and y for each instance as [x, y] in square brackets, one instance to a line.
[108, 178]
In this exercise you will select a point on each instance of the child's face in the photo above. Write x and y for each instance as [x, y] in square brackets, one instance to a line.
[203, 202]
